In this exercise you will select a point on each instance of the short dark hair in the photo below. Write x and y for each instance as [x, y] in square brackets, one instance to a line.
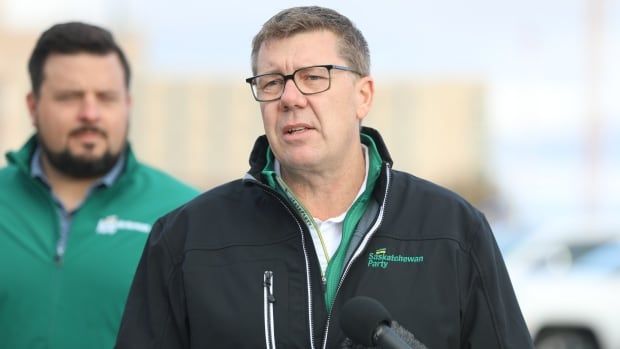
[70, 38]
[352, 44]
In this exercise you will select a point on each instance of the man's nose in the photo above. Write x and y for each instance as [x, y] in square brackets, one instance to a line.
[89, 110]
[291, 96]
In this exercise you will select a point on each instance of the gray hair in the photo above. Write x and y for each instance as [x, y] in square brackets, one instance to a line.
[352, 45]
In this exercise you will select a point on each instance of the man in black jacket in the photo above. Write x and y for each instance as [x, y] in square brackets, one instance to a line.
[321, 217]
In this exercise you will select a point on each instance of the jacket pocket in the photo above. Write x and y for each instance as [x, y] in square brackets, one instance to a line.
[268, 301]
[225, 302]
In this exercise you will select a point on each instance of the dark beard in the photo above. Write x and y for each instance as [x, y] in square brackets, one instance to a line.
[78, 167]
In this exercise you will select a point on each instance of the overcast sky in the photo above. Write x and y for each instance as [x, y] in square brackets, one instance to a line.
[500, 38]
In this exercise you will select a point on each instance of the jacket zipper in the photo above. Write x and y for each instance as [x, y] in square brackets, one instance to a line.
[270, 191]
[269, 300]
[358, 251]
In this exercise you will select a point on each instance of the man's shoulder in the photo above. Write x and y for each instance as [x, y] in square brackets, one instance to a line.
[221, 195]
[232, 198]
[211, 204]
[163, 181]
[7, 171]
[10, 177]
[444, 213]
[423, 190]
[238, 212]
[7, 178]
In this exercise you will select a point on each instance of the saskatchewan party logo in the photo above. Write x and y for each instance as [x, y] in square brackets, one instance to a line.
[381, 259]
[111, 224]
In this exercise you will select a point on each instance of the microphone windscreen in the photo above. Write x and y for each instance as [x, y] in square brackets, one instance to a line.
[360, 318]
[407, 336]
[402, 332]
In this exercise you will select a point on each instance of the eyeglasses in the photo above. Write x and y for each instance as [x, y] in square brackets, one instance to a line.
[309, 81]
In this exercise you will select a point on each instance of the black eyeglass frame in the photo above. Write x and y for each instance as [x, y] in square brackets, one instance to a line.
[329, 67]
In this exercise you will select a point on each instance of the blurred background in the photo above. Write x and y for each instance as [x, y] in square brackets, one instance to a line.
[513, 104]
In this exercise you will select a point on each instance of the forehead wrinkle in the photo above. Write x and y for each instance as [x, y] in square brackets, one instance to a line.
[298, 51]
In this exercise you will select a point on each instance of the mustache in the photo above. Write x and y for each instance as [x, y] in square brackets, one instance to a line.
[88, 128]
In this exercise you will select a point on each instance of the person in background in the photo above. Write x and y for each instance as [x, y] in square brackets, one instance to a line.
[76, 206]
[320, 218]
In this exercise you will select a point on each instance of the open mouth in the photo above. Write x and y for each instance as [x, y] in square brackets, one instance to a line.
[295, 130]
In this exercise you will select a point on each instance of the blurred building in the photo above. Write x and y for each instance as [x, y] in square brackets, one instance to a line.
[435, 129]
[202, 129]
[14, 121]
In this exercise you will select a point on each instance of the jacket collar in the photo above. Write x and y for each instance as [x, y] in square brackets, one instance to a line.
[258, 157]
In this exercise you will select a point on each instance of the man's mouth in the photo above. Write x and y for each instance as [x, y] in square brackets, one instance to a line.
[295, 130]
[88, 131]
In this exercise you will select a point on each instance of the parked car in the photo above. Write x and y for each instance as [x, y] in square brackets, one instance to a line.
[602, 260]
[567, 280]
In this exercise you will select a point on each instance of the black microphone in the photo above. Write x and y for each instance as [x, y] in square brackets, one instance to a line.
[366, 322]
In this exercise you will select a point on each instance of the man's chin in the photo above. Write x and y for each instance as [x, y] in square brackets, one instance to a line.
[83, 166]
[87, 157]
[87, 151]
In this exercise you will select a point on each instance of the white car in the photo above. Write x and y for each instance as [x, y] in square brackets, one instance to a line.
[567, 280]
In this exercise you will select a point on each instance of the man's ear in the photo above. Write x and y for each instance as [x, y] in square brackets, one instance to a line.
[31, 103]
[365, 94]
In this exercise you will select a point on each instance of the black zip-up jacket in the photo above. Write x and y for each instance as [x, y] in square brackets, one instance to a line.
[236, 268]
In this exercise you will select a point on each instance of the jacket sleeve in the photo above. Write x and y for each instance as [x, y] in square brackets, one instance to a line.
[155, 315]
[491, 317]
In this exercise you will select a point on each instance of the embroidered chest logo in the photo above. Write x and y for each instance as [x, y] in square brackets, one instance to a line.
[111, 224]
[381, 259]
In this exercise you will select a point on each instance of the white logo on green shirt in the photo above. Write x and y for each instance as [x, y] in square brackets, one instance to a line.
[111, 224]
